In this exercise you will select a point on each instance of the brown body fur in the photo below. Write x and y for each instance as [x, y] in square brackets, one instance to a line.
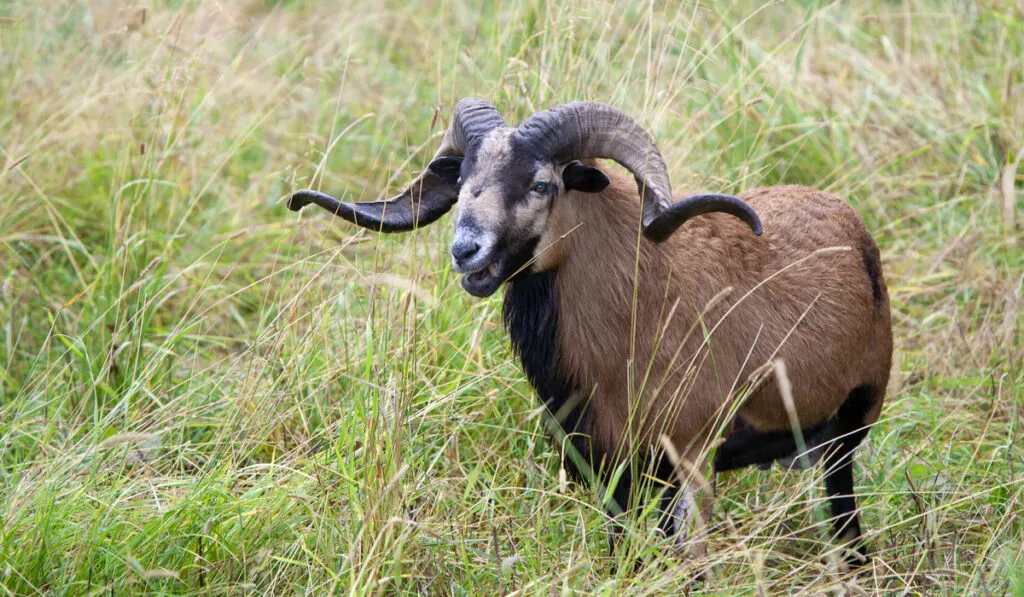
[638, 332]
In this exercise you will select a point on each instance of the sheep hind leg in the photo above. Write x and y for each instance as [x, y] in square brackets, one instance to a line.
[746, 446]
[812, 448]
[838, 460]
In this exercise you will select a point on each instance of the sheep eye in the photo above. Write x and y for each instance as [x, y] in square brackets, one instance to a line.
[540, 187]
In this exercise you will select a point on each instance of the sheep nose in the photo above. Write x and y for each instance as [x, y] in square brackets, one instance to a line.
[464, 249]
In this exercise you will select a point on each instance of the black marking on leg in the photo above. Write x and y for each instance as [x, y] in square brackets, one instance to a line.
[812, 448]
[664, 471]
[850, 432]
[620, 496]
[666, 512]
[746, 446]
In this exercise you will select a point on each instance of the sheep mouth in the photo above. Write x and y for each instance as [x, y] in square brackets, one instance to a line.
[485, 281]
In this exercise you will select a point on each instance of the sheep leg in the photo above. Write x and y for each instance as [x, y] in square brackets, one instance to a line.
[850, 432]
[666, 513]
[685, 512]
[746, 446]
[812, 448]
[679, 513]
[620, 498]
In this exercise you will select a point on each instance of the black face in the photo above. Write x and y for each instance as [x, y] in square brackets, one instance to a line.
[504, 202]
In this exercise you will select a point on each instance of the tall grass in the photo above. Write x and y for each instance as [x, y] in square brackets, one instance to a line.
[204, 393]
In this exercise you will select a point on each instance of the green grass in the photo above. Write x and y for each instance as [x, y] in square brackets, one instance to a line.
[204, 393]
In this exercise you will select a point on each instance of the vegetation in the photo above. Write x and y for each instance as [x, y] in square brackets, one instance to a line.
[203, 393]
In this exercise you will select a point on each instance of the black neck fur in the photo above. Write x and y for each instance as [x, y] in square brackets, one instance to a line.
[531, 318]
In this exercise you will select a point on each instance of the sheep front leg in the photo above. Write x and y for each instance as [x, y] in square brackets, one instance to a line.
[618, 510]
[686, 509]
[689, 514]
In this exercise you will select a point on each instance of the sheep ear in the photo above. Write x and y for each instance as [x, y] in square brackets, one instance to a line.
[447, 169]
[585, 179]
[427, 199]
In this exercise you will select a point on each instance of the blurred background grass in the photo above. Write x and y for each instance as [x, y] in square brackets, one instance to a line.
[204, 393]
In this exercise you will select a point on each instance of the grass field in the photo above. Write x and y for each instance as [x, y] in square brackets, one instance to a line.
[205, 393]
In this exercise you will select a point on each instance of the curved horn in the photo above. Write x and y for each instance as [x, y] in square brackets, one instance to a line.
[398, 214]
[666, 223]
[472, 119]
[431, 194]
[582, 130]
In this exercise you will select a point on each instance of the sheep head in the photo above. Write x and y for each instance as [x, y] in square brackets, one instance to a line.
[505, 181]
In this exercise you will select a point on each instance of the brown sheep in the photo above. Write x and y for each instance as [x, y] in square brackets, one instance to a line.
[646, 339]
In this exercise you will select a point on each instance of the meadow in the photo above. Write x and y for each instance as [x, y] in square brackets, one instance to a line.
[204, 393]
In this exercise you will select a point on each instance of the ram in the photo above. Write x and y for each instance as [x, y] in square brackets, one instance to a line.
[651, 328]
